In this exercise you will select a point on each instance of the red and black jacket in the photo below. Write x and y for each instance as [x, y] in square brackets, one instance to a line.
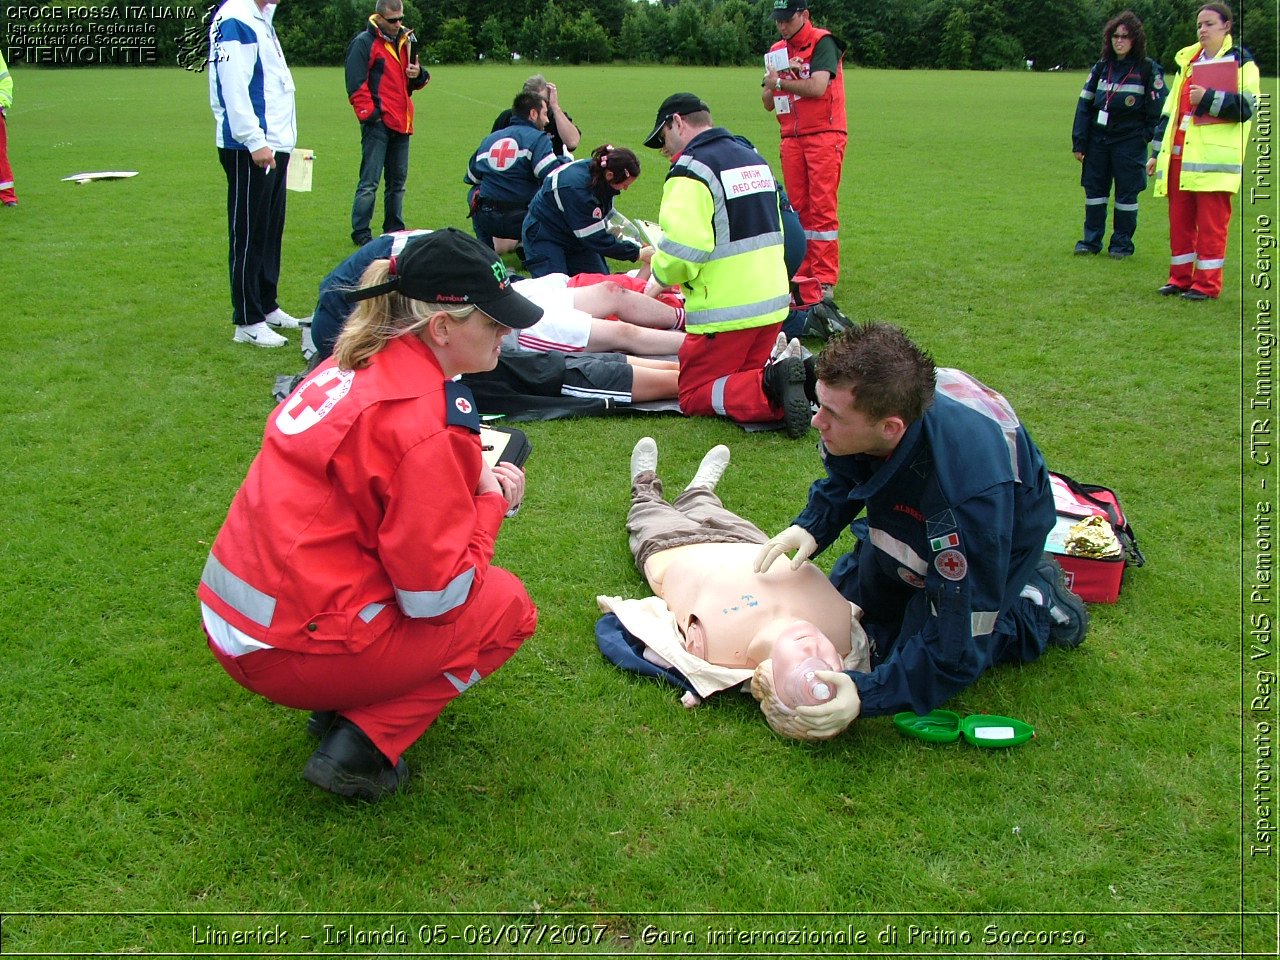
[376, 83]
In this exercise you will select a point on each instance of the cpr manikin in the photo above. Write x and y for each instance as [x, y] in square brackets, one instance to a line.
[698, 558]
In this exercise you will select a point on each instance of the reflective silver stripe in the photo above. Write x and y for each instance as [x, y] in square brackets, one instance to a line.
[1126, 206]
[1155, 147]
[899, 551]
[1127, 88]
[554, 177]
[1086, 94]
[585, 232]
[746, 311]
[1209, 264]
[1183, 258]
[982, 622]
[683, 252]
[709, 179]
[1033, 594]
[1219, 97]
[546, 161]
[1095, 201]
[371, 611]
[822, 234]
[245, 599]
[717, 396]
[433, 603]
[1212, 168]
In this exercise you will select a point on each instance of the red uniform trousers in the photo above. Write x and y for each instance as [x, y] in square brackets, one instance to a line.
[722, 374]
[395, 688]
[811, 166]
[7, 193]
[1198, 222]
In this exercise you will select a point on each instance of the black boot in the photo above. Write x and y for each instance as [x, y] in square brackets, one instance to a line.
[784, 383]
[347, 763]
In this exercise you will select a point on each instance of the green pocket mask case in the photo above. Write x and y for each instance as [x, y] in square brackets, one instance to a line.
[981, 730]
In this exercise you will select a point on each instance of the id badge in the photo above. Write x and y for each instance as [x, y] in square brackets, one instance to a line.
[782, 105]
[1185, 125]
[1102, 118]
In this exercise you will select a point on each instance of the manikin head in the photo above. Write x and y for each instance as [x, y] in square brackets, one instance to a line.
[799, 651]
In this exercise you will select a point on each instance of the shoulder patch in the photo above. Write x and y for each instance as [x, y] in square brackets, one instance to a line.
[951, 564]
[460, 407]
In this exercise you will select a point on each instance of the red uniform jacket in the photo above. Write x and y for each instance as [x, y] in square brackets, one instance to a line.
[359, 508]
[822, 114]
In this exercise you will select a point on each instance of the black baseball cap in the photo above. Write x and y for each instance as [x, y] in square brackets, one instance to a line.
[786, 9]
[449, 266]
[680, 104]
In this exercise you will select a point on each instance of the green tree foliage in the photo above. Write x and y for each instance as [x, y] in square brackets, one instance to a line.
[583, 40]
[454, 43]
[491, 41]
[956, 52]
[951, 34]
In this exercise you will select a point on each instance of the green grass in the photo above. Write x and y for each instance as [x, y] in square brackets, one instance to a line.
[138, 777]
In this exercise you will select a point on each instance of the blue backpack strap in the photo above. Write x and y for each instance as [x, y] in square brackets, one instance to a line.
[623, 649]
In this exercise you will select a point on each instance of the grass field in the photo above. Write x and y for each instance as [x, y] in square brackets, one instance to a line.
[149, 802]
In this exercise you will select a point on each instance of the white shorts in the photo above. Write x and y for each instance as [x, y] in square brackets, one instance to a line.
[563, 326]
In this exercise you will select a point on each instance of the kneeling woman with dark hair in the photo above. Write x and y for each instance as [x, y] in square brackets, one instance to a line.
[352, 576]
[566, 228]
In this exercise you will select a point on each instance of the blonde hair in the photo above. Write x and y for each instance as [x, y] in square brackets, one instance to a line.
[377, 321]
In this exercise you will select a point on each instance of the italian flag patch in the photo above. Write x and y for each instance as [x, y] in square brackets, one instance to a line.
[949, 542]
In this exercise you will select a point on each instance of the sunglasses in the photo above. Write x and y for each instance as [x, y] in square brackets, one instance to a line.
[393, 19]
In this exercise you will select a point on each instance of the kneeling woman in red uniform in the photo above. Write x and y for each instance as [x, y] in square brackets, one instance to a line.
[352, 576]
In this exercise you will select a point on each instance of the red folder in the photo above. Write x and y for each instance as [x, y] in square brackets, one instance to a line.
[1213, 75]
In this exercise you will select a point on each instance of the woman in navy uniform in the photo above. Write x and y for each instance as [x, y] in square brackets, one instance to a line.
[1116, 118]
[567, 227]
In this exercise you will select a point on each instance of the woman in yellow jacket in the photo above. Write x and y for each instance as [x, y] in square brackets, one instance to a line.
[1198, 151]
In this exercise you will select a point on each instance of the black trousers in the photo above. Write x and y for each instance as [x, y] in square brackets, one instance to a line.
[255, 229]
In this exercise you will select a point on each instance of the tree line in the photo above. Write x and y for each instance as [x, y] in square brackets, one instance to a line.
[893, 34]
[904, 34]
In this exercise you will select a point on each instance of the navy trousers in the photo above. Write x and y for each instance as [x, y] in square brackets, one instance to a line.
[255, 229]
[1123, 163]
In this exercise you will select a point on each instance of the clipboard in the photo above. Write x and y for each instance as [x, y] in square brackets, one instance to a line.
[504, 445]
[1220, 74]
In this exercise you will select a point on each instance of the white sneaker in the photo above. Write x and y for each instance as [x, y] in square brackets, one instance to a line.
[779, 347]
[794, 349]
[278, 318]
[644, 458]
[259, 334]
[711, 469]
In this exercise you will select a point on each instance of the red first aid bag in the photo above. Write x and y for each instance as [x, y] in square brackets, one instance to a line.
[1093, 579]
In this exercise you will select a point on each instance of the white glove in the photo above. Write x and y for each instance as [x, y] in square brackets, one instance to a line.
[793, 538]
[819, 722]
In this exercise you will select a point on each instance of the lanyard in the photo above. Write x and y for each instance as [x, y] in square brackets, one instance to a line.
[1111, 91]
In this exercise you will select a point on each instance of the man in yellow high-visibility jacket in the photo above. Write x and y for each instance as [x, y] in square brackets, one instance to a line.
[722, 244]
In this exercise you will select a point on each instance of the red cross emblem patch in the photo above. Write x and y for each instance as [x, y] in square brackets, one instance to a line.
[951, 564]
[463, 405]
[503, 153]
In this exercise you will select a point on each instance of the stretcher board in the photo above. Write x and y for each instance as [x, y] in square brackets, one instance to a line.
[100, 175]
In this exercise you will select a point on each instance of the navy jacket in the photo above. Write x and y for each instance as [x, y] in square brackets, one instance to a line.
[956, 521]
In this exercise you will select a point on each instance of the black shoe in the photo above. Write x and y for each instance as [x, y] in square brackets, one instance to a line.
[1084, 251]
[1195, 295]
[320, 721]
[811, 379]
[1069, 615]
[1171, 290]
[347, 763]
[826, 320]
[360, 239]
[1119, 254]
[783, 383]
